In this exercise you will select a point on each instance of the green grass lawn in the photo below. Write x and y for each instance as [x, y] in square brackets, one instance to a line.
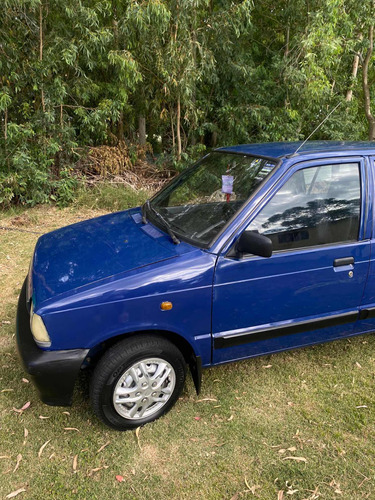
[296, 425]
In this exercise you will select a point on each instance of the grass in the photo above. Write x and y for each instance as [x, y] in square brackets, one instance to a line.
[104, 196]
[238, 439]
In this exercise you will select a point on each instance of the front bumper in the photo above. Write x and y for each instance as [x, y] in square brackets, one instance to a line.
[53, 372]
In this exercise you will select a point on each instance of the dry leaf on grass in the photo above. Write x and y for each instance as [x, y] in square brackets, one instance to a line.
[253, 488]
[197, 418]
[8, 390]
[42, 417]
[104, 446]
[42, 448]
[137, 436]
[19, 458]
[206, 399]
[267, 366]
[358, 365]
[336, 485]
[280, 495]
[283, 450]
[25, 434]
[119, 479]
[75, 463]
[297, 459]
[25, 380]
[24, 407]
[97, 469]
[15, 493]
[71, 429]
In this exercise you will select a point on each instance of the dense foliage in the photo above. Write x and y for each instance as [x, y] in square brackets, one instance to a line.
[182, 74]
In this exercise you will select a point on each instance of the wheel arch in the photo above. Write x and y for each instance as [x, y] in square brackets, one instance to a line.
[191, 357]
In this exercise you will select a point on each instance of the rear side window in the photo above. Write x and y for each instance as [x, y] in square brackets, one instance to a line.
[316, 206]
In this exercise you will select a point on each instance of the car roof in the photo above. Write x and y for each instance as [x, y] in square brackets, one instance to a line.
[280, 150]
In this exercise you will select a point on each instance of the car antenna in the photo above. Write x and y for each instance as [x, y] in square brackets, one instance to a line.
[315, 129]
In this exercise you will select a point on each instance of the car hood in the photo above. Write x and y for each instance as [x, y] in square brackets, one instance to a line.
[97, 249]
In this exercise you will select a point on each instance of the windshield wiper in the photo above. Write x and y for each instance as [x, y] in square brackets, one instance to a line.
[165, 223]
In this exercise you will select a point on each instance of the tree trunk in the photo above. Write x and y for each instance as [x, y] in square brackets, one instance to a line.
[349, 93]
[214, 139]
[371, 131]
[287, 37]
[194, 89]
[61, 117]
[142, 130]
[41, 49]
[116, 44]
[366, 88]
[6, 136]
[120, 128]
[178, 127]
[172, 130]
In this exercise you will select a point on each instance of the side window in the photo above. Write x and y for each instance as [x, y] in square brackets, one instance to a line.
[316, 206]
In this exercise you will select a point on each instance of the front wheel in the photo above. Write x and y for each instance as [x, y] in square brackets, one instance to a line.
[137, 381]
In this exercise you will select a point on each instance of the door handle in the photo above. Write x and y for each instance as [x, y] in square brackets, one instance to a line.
[344, 261]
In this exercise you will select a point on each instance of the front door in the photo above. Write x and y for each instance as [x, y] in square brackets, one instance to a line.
[310, 289]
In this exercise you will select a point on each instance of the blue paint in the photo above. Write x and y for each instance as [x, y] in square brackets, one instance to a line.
[96, 250]
[107, 277]
[282, 149]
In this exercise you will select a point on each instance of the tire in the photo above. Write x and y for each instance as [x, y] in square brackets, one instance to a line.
[137, 381]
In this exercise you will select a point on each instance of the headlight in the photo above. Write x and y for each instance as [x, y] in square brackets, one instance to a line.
[38, 329]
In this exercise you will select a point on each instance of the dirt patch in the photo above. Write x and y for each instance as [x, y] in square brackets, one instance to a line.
[154, 459]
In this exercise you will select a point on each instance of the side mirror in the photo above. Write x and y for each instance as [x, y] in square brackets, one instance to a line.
[254, 243]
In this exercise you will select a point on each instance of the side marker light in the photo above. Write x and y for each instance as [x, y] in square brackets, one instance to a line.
[166, 306]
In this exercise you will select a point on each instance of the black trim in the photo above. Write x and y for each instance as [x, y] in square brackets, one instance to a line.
[195, 365]
[274, 159]
[53, 372]
[279, 331]
[232, 255]
[367, 313]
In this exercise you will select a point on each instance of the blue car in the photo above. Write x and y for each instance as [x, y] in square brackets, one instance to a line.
[253, 250]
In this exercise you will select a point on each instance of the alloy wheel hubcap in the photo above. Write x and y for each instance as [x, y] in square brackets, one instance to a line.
[144, 388]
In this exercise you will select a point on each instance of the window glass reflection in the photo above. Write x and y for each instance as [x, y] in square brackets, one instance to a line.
[316, 206]
[204, 198]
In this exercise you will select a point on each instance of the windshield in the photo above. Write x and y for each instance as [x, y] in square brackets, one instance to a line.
[200, 201]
